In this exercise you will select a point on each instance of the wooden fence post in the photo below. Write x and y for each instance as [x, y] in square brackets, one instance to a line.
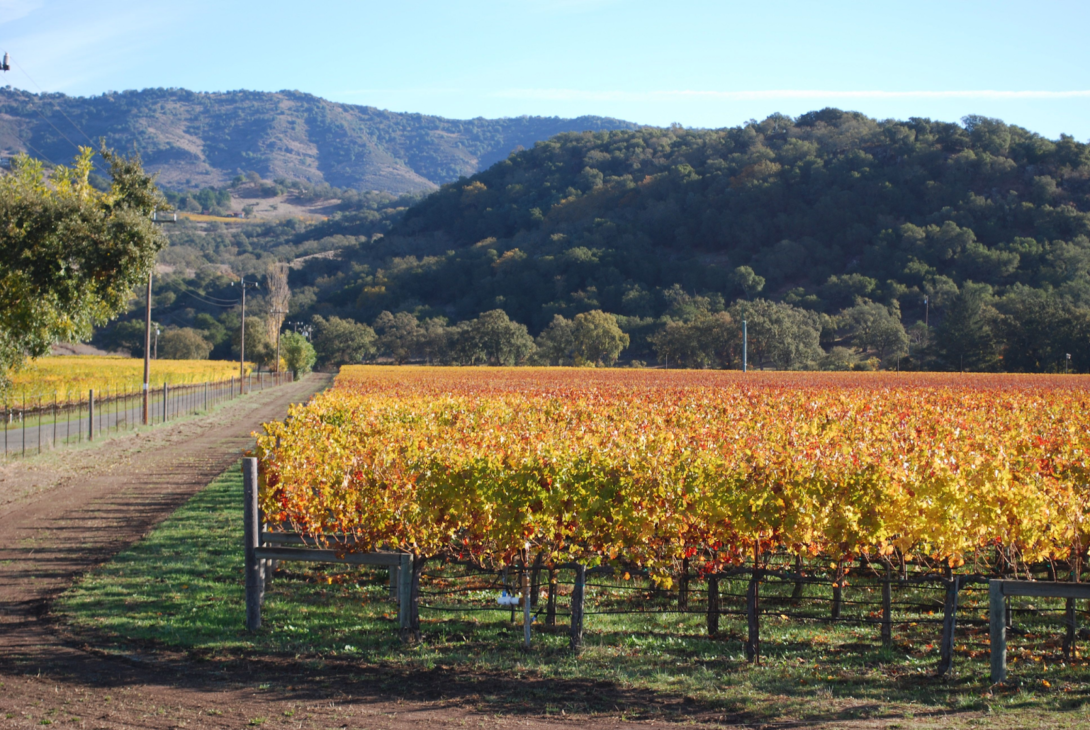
[838, 590]
[255, 583]
[887, 607]
[753, 637]
[535, 580]
[713, 604]
[949, 619]
[394, 595]
[165, 392]
[526, 608]
[1070, 617]
[404, 595]
[997, 620]
[576, 633]
[683, 586]
[796, 592]
[550, 603]
[91, 415]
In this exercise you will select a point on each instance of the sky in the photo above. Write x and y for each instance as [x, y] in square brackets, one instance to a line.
[699, 64]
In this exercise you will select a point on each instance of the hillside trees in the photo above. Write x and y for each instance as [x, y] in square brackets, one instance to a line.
[340, 341]
[785, 337]
[71, 254]
[299, 355]
[184, 343]
[593, 338]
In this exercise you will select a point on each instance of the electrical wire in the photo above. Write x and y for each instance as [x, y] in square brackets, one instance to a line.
[42, 91]
[51, 124]
[211, 304]
[39, 153]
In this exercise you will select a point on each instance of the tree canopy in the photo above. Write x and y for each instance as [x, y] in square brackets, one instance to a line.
[72, 254]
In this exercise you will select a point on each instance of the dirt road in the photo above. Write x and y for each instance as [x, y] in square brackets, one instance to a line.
[63, 513]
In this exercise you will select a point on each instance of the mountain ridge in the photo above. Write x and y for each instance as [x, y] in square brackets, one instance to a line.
[205, 139]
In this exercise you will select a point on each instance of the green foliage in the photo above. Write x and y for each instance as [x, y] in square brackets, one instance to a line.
[780, 335]
[593, 338]
[966, 338]
[874, 327]
[706, 340]
[184, 343]
[298, 354]
[492, 339]
[659, 226]
[71, 253]
[258, 347]
[341, 342]
[128, 335]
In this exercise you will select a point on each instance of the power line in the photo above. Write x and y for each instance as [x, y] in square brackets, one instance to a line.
[42, 91]
[212, 304]
[209, 296]
[39, 153]
[51, 124]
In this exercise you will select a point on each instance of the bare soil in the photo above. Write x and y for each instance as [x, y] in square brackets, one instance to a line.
[64, 513]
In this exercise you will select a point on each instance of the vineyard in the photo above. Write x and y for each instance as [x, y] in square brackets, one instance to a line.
[71, 377]
[679, 476]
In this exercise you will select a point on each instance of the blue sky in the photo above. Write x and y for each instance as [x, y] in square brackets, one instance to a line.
[701, 64]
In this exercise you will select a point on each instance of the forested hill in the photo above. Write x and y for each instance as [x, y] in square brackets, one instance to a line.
[197, 140]
[824, 208]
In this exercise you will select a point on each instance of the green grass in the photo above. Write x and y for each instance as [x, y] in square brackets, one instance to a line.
[181, 587]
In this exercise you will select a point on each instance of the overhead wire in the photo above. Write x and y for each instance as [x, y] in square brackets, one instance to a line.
[212, 304]
[42, 91]
[51, 124]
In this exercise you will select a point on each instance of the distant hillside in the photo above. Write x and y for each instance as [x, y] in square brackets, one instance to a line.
[827, 207]
[197, 140]
[841, 221]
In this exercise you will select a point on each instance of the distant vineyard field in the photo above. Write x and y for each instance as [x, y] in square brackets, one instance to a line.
[69, 378]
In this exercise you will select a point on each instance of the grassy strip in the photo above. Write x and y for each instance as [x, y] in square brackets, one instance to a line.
[182, 587]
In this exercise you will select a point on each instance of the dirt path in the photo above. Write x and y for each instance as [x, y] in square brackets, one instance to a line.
[63, 513]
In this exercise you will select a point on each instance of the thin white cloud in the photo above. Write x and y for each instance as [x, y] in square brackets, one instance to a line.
[63, 56]
[775, 94]
[12, 10]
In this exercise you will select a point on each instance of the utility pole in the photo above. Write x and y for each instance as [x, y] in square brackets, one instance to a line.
[745, 347]
[155, 218]
[147, 349]
[242, 336]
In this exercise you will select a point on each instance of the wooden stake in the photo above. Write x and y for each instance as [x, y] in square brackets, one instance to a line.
[997, 620]
[713, 604]
[887, 607]
[576, 633]
[753, 638]
[949, 617]
[683, 586]
[255, 583]
[550, 606]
